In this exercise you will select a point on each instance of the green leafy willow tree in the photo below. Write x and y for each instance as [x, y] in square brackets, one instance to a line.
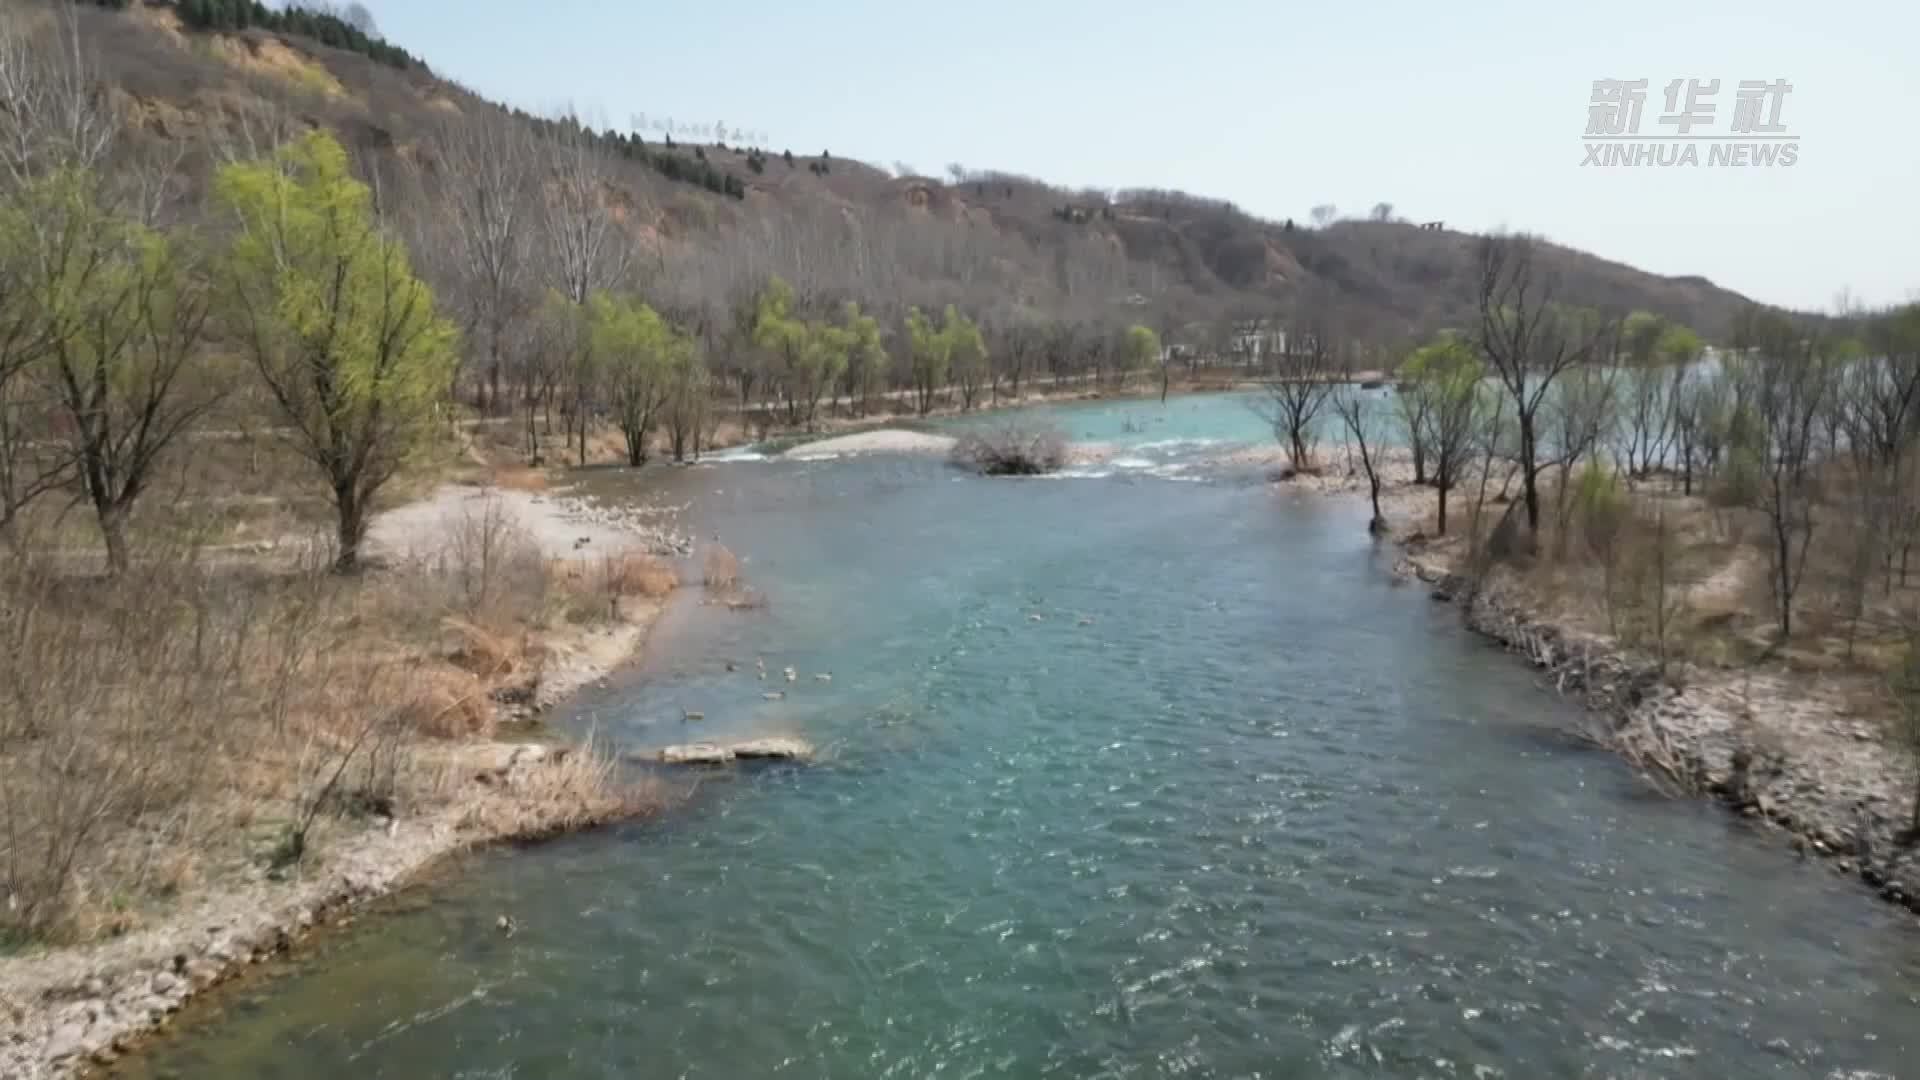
[638, 351]
[1447, 376]
[966, 354]
[122, 310]
[345, 337]
[813, 354]
[689, 404]
[1140, 351]
[930, 351]
[867, 360]
[779, 331]
[828, 349]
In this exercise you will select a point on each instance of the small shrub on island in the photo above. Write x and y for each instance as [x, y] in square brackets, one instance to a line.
[1012, 450]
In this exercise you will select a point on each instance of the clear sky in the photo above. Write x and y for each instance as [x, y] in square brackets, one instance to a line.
[1472, 111]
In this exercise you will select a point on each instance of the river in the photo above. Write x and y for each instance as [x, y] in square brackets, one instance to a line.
[1149, 774]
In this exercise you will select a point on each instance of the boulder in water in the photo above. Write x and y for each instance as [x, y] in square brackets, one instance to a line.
[769, 748]
[773, 748]
[702, 753]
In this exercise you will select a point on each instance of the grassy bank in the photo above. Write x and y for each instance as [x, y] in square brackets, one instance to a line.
[248, 743]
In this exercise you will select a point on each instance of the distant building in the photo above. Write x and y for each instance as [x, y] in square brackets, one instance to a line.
[1253, 341]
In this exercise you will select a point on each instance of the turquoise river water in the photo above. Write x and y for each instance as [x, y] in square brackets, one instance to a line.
[1156, 773]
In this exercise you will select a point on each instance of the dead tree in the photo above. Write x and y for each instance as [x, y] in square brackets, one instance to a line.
[1301, 379]
[1529, 340]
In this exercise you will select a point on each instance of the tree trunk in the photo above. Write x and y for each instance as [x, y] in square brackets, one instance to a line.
[352, 528]
[1783, 542]
[1443, 486]
[1532, 481]
[113, 530]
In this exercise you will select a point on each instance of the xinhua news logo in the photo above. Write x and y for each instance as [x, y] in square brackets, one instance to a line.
[1687, 134]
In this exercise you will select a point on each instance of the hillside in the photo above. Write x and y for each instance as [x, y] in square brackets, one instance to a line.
[709, 223]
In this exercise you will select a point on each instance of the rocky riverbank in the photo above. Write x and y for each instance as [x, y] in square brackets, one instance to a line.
[1804, 755]
[1791, 758]
[66, 1010]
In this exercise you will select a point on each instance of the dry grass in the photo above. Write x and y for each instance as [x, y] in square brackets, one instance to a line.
[489, 654]
[590, 590]
[638, 574]
[720, 569]
[446, 703]
[581, 789]
[147, 722]
[266, 55]
[518, 478]
[195, 718]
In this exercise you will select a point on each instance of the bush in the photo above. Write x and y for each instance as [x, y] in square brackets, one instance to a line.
[1742, 480]
[1012, 450]
[1601, 502]
[721, 570]
[492, 566]
[637, 573]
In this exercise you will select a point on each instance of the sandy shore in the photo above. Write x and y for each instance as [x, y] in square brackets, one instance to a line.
[881, 441]
[65, 1010]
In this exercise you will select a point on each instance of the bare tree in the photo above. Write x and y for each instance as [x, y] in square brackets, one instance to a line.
[1903, 683]
[487, 184]
[1582, 412]
[1786, 379]
[55, 112]
[1301, 379]
[587, 250]
[1455, 417]
[1361, 419]
[1382, 211]
[1879, 407]
[1530, 340]
[1324, 214]
[1413, 406]
[1696, 409]
[1649, 395]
